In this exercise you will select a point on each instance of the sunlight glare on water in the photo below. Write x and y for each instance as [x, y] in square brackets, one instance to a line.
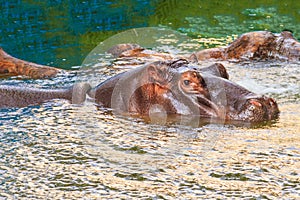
[62, 151]
[59, 150]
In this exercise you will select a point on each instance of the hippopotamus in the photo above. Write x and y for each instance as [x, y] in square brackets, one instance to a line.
[177, 85]
[259, 46]
[256, 46]
[12, 66]
[180, 87]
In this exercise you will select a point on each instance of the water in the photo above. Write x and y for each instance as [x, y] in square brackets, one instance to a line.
[62, 151]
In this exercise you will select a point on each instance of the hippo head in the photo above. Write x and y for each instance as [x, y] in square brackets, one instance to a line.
[178, 87]
[189, 90]
[177, 74]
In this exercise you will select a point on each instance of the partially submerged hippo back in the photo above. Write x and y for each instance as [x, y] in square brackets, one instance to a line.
[14, 66]
[14, 96]
[178, 87]
[258, 45]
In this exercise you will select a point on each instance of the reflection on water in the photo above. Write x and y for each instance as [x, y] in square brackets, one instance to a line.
[67, 152]
[58, 150]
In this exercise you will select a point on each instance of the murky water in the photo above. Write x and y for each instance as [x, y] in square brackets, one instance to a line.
[59, 150]
[62, 151]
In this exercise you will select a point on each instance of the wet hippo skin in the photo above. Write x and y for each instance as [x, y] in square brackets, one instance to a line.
[260, 45]
[103, 92]
[12, 96]
[14, 66]
[178, 87]
[182, 88]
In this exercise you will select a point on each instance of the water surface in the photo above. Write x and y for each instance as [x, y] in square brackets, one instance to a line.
[62, 151]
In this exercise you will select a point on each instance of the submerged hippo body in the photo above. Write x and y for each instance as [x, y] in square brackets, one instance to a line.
[259, 45]
[180, 88]
[254, 46]
[175, 87]
[14, 96]
[13, 66]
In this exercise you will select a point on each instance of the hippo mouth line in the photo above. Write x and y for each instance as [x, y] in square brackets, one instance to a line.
[207, 107]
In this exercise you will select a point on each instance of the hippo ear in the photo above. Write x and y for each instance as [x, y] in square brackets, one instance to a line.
[156, 72]
[152, 73]
[151, 69]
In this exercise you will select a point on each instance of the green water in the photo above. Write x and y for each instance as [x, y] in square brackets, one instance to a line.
[62, 33]
[62, 151]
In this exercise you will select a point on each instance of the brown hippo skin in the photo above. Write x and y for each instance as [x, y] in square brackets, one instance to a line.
[259, 46]
[181, 88]
[14, 66]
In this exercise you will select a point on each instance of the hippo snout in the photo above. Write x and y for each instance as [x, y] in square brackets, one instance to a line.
[257, 109]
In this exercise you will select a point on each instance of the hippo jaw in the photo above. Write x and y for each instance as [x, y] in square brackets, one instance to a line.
[208, 107]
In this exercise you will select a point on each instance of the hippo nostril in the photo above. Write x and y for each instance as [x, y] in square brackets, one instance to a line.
[271, 102]
[252, 108]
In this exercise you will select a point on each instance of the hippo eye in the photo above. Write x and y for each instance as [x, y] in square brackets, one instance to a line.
[186, 82]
